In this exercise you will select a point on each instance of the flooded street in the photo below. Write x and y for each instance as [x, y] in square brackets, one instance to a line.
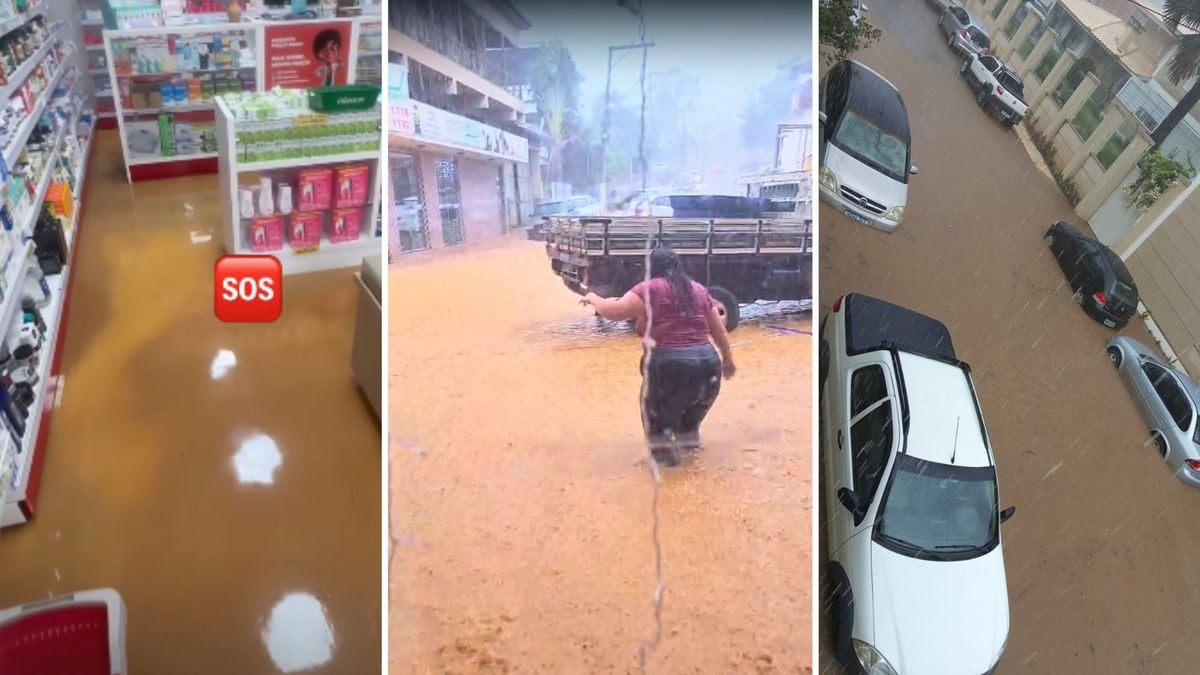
[1101, 555]
[522, 508]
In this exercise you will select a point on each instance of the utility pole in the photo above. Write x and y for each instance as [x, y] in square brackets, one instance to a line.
[607, 102]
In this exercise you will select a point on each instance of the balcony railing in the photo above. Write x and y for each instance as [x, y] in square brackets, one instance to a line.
[445, 41]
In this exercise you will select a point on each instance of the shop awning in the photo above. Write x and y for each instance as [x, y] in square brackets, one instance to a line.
[412, 123]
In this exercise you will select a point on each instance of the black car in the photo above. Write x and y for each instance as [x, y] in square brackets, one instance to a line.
[1100, 281]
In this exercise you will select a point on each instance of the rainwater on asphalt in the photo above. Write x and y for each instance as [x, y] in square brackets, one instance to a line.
[521, 500]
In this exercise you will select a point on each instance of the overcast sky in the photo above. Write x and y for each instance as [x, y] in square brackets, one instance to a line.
[733, 47]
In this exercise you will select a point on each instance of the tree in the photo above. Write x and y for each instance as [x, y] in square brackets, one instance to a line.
[554, 80]
[786, 97]
[1184, 65]
[841, 31]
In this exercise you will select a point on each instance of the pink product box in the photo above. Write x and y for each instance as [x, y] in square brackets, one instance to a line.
[304, 230]
[266, 233]
[315, 187]
[345, 225]
[352, 186]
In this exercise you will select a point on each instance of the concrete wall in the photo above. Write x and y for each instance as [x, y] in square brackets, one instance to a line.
[1166, 268]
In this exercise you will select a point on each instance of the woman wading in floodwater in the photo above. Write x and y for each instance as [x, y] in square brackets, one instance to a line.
[681, 371]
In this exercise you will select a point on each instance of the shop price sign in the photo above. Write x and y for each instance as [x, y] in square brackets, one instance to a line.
[248, 289]
[310, 120]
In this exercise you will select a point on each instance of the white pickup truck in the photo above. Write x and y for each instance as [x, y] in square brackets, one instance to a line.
[997, 88]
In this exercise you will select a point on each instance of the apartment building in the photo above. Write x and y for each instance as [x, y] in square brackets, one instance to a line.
[459, 156]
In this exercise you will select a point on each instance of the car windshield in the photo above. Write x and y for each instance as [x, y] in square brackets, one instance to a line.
[882, 151]
[1012, 84]
[1125, 293]
[939, 511]
[979, 38]
[548, 208]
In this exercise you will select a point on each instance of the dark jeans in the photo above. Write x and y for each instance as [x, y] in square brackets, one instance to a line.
[680, 385]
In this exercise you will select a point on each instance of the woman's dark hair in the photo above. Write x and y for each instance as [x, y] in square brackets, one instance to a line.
[325, 38]
[665, 263]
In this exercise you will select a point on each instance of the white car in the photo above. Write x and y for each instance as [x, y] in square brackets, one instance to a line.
[865, 146]
[911, 499]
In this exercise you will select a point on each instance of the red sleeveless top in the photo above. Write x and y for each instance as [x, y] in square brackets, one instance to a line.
[670, 326]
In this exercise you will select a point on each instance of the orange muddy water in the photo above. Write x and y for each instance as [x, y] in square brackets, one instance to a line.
[522, 508]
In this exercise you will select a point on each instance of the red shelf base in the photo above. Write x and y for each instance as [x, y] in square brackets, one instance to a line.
[184, 167]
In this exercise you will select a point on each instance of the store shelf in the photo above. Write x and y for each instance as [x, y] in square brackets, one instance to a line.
[106, 115]
[328, 256]
[16, 22]
[11, 511]
[97, 71]
[14, 150]
[135, 161]
[186, 71]
[92, 23]
[297, 162]
[188, 107]
[95, 48]
[20, 74]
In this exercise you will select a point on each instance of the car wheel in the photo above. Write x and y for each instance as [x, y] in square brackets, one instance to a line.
[1114, 355]
[842, 606]
[1049, 240]
[962, 70]
[981, 96]
[950, 41]
[727, 306]
[1160, 442]
[1077, 296]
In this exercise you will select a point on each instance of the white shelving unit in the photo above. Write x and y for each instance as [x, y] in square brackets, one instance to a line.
[258, 32]
[15, 505]
[328, 255]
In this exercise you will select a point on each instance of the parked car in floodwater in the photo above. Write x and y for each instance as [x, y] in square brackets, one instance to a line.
[1167, 401]
[865, 146]
[582, 205]
[1099, 280]
[965, 33]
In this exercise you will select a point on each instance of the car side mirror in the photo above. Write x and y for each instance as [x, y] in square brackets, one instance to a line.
[853, 503]
[912, 170]
[1007, 513]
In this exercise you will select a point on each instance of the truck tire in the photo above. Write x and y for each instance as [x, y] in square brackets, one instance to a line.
[727, 305]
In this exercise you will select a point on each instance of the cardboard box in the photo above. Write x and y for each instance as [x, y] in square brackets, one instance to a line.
[304, 231]
[345, 225]
[266, 233]
[352, 185]
[315, 190]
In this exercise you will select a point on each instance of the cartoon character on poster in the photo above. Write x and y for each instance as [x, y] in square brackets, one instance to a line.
[327, 47]
[339, 225]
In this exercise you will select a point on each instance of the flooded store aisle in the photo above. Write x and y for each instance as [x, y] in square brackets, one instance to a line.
[522, 506]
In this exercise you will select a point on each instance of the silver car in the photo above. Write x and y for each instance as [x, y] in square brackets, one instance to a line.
[964, 33]
[1168, 402]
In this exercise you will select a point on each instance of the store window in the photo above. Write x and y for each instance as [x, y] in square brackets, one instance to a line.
[411, 231]
[449, 202]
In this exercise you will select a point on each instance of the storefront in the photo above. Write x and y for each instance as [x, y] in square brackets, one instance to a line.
[453, 179]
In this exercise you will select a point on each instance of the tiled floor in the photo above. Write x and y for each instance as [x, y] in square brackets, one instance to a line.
[225, 479]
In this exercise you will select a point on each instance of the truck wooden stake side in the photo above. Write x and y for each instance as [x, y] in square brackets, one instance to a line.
[739, 260]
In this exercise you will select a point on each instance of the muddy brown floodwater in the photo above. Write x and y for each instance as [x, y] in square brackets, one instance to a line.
[1102, 558]
[521, 502]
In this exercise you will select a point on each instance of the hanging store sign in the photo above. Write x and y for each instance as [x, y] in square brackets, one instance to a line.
[305, 55]
[419, 121]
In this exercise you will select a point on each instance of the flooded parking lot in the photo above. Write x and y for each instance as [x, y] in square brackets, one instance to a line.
[1100, 559]
[522, 508]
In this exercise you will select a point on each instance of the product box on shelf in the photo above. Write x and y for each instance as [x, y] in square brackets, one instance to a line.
[316, 189]
[352, 182]
[304, 231]
[143, 138]
[266, 233]
[60, 200]
[345, 225]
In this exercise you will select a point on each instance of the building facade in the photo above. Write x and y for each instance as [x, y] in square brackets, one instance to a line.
[1096, 81]
[459, 160]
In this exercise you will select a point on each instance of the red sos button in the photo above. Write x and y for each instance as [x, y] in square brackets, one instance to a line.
[248, 289]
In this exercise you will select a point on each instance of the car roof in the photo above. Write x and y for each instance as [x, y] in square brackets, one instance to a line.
[873, 324]
[944, 421]
[873, 96]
